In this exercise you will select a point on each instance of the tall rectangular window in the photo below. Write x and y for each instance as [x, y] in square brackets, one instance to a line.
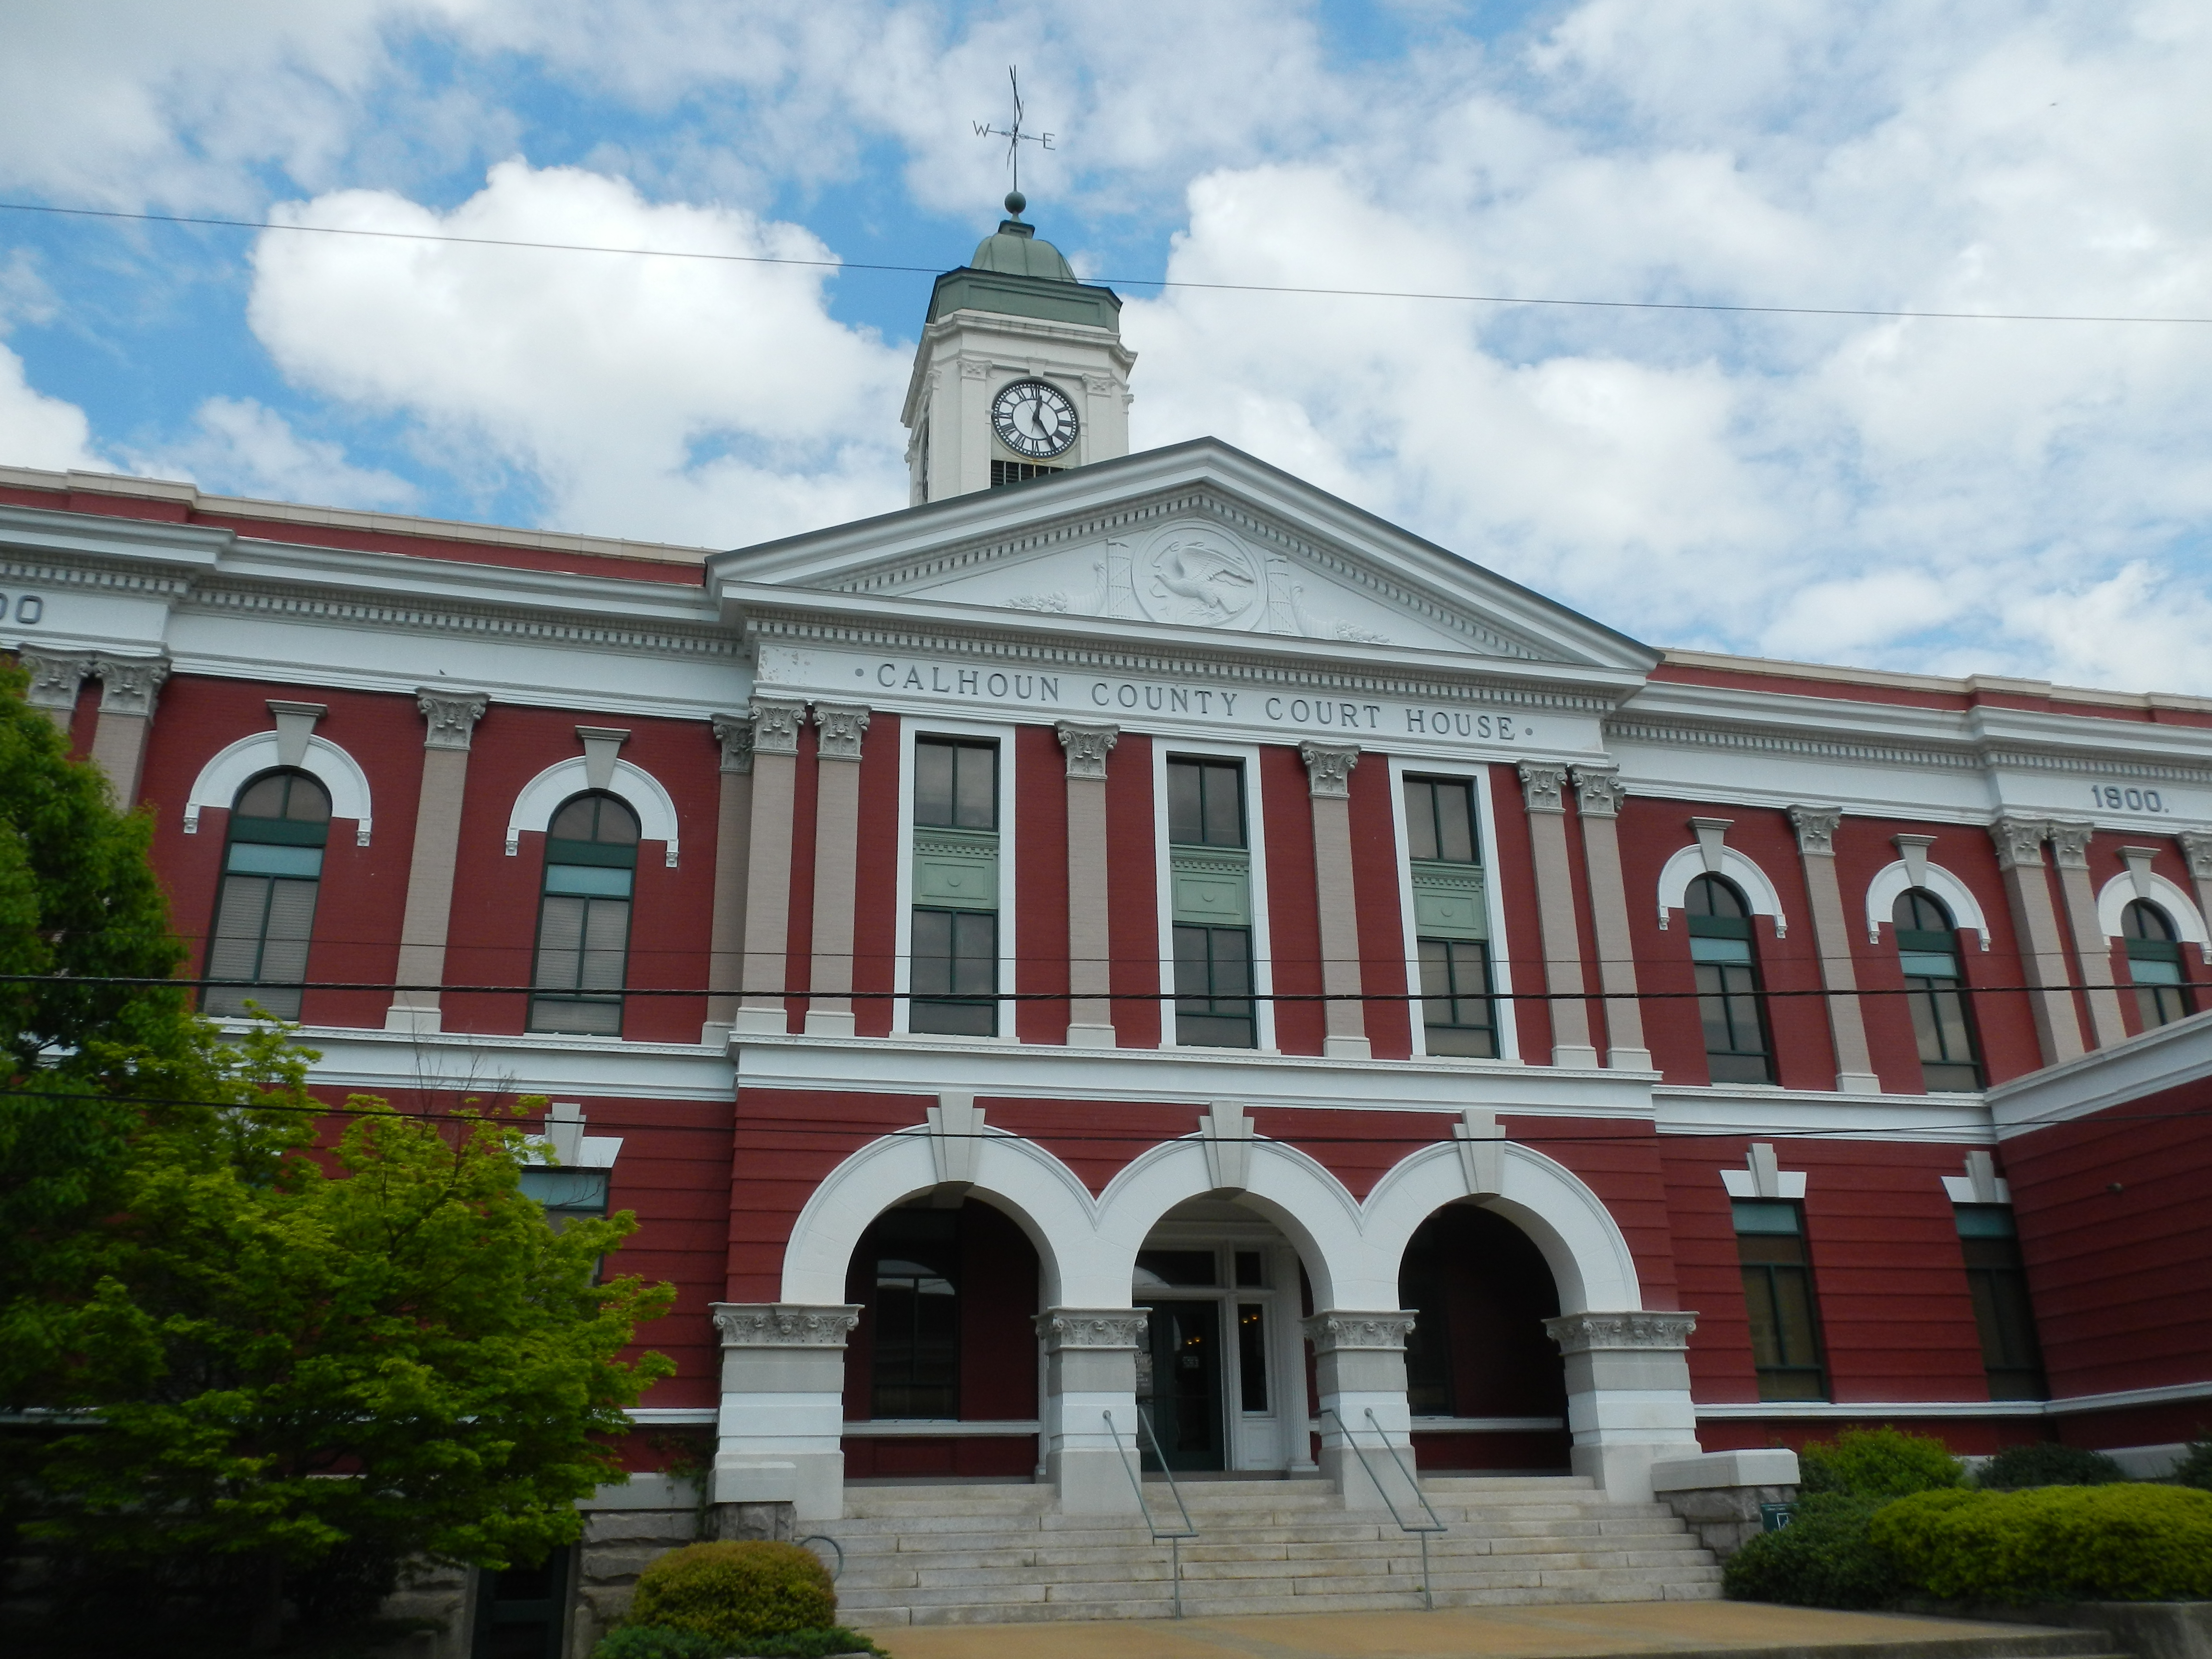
[953, 953]
[1209, 866]
[1451, 919]
[265, 912]
[1928, 950]
[1729, 1003]
[914, 1305]
[583, 918]
[2010, 1354]
[1777, 1293]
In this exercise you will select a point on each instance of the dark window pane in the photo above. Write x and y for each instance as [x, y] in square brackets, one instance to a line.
[1766, 1215]
[1213, 984]
[1710, 895]
[1252, 1356]
[1421, 1281]
[1440, 819]
[1249, 1269]
[597, 818]
[1205, 803]
[2143, 920]
[914, 1306]
[1778, 1294]
[1158, 1269]
[1456, 1012]
[293, 796]
[954, 980]
[956, 783]
[1920, 912]
[1420, 819]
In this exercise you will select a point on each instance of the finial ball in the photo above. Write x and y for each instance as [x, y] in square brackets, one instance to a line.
[1015, 202]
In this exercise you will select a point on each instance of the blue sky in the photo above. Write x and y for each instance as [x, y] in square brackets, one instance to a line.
[2010, 497]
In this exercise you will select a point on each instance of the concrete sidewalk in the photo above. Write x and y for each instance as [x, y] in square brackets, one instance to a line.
[1676, 1628]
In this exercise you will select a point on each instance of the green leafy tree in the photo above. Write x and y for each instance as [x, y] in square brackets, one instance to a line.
[261, 1364]
[81, 1055]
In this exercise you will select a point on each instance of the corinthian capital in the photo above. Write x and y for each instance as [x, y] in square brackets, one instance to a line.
[841, 724]
[1086, 746]
[1599, 791]
[452, 715]
[55, 676]
[1328, 769]
[127, 684]
[1545, 787]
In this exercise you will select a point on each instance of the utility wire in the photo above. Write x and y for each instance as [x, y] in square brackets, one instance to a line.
[809, 993]
[1113, 281]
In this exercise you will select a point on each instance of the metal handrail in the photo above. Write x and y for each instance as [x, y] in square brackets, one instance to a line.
[837, 1571]
[1172, 1539]
[1423, 1532]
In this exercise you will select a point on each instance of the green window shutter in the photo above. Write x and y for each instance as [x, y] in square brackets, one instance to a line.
[1210, 886]
[1448, 900]
[955, 869]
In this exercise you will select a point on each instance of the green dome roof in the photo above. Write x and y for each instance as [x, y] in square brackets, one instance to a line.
[1016, 250]
[1016, 272]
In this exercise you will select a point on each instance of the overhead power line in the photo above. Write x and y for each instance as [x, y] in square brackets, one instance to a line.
[1113, 281]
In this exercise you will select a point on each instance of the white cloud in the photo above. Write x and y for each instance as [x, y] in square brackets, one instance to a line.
[241, 447]
[36, 430]
[1883, 490]
[689, 400]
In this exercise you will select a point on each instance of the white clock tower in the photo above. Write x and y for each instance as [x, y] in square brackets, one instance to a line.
[1021, 370]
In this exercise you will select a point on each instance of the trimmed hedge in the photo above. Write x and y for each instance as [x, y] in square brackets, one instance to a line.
[2118, 1543]
[1823, 1559]
[2047, 1463]
[658, 1642]
[737, 1593]
[1879, 1463]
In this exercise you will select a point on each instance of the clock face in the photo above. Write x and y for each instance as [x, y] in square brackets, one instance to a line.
[1033, 419]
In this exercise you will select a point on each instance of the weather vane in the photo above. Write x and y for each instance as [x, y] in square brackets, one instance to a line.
[1015, 138]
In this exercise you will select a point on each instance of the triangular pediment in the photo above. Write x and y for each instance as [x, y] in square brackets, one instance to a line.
[1200, 540]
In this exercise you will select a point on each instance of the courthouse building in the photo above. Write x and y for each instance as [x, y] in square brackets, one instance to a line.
[1138, 928]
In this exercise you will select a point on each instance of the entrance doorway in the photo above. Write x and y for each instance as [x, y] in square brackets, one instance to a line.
[1179, 1384]
[1221, 1377]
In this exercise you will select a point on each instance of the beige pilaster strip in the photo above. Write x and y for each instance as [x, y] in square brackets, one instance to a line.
[725, 942]
[1816, 849]
[2069, 848]
[451, 720]
[2020, 856]
[1544, 790]
[128, 686]
[776, 722]
[1328, 786]
[2196, 848]
[836, 853]
[57, 677]
[1598, 794]
[1090, 942]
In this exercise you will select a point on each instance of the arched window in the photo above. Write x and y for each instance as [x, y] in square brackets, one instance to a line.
[2154, 964]
[1736, 1046]
[272, 868]
[583, 919]
[1928, 949]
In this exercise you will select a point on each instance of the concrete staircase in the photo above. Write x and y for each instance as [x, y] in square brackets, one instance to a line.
[972, 1554]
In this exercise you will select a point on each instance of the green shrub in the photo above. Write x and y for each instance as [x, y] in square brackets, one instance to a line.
[2047, 1463]
[812, 1644]
[736, 1592]
[1879, 1463]
[2195, 1468]
[2117, 1543]
[657, 1641]
[1823, 1559]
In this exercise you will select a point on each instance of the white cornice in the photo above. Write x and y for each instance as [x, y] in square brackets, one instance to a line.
[1743, 1110]
[469, 1063]
[2169, 1058]
[1114, 645]
[1193, 1076]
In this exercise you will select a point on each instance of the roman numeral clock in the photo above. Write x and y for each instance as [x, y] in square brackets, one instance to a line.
[1034, 419]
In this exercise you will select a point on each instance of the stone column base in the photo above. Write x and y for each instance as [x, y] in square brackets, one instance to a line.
[783, 1408]
[1628, 1395]
[774, 1522]
[1091, 1370]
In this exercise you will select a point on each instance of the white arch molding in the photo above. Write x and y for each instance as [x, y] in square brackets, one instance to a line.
[229, 769]
[2181, 909]
[542, 795]
[1087, 1247]
[1892, 880]
[1686, 865]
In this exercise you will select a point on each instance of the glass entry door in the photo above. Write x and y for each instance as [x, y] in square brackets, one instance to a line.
[1179, 1383]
